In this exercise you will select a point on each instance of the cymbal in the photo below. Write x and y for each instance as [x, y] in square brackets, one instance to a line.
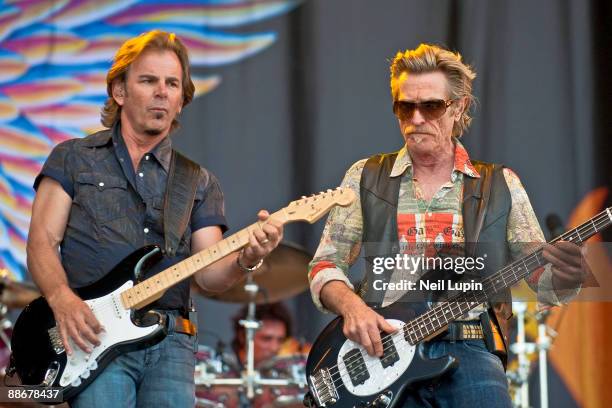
[283, 274]
[16, 295]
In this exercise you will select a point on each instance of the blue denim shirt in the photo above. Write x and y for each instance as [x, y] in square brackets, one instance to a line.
[116, 210]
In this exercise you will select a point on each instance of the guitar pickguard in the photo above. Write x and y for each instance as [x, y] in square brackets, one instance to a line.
[355, 364]
[118, 328]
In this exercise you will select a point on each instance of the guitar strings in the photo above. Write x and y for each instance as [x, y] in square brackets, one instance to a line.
[420, 321]
[413, 325]
[599, 221]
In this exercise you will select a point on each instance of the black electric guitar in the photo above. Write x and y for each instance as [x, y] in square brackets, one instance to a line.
[341, 373]
[38, 355]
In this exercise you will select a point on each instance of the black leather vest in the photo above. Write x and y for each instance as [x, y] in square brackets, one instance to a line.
[486, 206]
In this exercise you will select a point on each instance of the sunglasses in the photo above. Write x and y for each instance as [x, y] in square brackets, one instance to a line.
[431, 110]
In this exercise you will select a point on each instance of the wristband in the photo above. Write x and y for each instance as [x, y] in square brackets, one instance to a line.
[247, 269]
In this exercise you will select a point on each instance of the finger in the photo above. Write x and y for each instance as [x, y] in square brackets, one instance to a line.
[64, 336]
[93, 322]
[73, 332]
[261, 237]
[364, 340]
[568, 275]
[377, 346]
[275, 223]
[568, 246]
[271, 232]
[87, 330]
[566, 252]
[88, 334]
[253, 249]
[263, 215]
[572, 276]
[385, 326]
[552, 256]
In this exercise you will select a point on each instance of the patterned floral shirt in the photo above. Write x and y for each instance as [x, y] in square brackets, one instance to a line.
[437, 221]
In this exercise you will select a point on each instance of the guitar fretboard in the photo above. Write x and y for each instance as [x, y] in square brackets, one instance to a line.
[308, 209]
[443, 313]
[151, 289]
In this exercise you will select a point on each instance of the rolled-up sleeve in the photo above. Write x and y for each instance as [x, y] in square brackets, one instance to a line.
[341, 241]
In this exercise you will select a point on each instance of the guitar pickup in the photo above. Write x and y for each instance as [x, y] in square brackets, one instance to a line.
[355, 365]
[56, 340]
[390, 355]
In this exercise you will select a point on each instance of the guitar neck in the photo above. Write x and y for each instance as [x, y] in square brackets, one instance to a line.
[153, 288]
[443, 313]
[308, 209]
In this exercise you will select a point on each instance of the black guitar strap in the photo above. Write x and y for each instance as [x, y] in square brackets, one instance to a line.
[178, 202]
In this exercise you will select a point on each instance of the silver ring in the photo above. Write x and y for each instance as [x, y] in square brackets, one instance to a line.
[265, 241]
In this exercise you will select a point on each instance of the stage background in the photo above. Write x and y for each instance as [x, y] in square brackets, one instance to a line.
[289, 113]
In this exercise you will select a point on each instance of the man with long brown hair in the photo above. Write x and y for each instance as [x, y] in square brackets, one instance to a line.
[101, 197]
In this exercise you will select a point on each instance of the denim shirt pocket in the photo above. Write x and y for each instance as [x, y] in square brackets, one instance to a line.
[101, 195]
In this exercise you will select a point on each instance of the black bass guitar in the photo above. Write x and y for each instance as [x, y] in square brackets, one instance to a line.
[341, 373]
[38, 354]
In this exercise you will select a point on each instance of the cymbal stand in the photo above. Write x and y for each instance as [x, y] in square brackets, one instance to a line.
[251, 325]
[521, 349]
[250, 377]
[544, 343]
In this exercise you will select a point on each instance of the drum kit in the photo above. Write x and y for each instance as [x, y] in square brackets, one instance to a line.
[277, 382]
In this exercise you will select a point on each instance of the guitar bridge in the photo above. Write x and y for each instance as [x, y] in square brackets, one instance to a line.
[323, 388]
[56, 340]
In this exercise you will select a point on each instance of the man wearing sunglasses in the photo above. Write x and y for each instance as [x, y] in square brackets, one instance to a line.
[422, 200]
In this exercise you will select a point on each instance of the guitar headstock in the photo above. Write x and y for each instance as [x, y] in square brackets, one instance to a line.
[310, 209]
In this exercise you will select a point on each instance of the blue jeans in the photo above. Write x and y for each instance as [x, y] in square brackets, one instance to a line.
[479, 381]
[159, 376]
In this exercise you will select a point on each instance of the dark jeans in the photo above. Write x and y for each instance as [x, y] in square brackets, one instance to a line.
[479, 381]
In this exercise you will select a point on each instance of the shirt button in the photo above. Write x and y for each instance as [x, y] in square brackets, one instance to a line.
[146, 230]
[147, 157]
[141, 174]
[101, 184]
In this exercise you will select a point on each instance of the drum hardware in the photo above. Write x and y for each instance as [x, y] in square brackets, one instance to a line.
[545, 337]
[282, 275]
[519, 378]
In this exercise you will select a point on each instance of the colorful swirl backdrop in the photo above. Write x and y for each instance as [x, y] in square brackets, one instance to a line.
[53, 59]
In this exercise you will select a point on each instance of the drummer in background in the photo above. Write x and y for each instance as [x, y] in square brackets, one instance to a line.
[270, 339]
